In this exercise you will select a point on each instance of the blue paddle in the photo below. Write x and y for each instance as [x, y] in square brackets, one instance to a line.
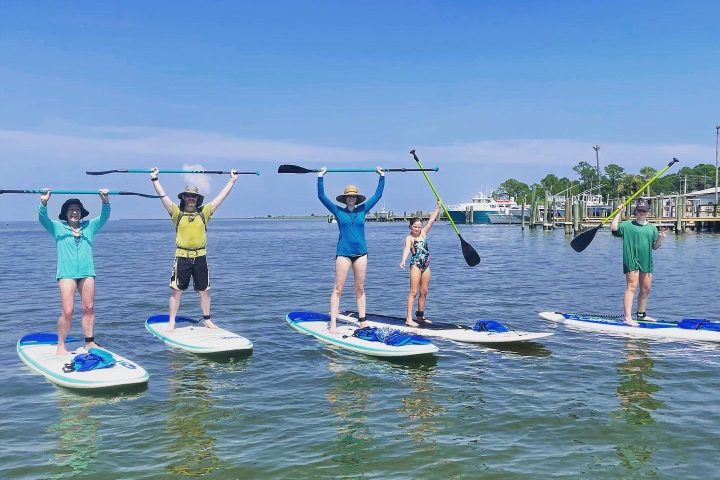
[80, 192]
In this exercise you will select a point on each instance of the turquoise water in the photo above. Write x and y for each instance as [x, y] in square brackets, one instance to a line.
[574, 405]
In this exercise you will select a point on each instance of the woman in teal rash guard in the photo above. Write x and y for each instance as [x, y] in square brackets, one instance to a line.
[75, 266]
[351, 247]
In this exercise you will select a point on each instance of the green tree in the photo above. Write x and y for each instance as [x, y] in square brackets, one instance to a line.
[629, 184]
[514, 188]
[613, 174]
[646, 173]
[587, 174]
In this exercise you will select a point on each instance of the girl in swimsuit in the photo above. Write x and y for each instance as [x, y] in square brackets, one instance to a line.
[416, 247]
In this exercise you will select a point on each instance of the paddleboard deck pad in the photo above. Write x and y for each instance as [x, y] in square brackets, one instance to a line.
[687, 329]
[488, 331]
[191, 336]
[37, 351]
[316, 325]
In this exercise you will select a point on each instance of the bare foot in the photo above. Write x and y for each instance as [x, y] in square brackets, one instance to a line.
[410, 323]
[424, 320]
[362, 324]
[170, 327]
[649, 319]
[332, 330]
[209, 324]
[61, 351]
[631, 322]
[90, 345]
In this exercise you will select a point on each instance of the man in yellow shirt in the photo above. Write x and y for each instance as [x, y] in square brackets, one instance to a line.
[190, 219]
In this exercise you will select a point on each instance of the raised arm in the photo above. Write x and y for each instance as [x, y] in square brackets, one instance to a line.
[614, 225]
[43, 215]
[167, 203]
[378, 191]
[217, 201]
[97, 222]
[433, 217]
[321, 193]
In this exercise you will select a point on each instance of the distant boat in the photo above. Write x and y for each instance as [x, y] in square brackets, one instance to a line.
[481, 207]
[382, 215]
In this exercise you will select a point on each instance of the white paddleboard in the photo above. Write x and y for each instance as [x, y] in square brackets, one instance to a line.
[37, 351]
[191, 336]
[449, 331]
[613, 324]
[316, 325]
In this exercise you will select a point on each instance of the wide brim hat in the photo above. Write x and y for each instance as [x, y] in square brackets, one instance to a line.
[72, 201]
[351, 190]
[191, 190]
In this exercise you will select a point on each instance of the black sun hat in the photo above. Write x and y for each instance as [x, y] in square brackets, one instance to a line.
[72, 201]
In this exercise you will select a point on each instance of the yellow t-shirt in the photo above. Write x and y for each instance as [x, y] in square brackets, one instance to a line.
[190, 232]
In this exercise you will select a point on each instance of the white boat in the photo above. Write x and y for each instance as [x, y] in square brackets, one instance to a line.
[481, 207]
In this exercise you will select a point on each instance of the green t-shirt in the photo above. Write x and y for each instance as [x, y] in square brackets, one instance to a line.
[638, 241]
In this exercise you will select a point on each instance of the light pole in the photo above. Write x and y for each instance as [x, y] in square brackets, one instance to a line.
[597, 160]
[717, 133]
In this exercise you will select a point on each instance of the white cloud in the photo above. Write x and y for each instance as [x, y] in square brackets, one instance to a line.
[117, 147]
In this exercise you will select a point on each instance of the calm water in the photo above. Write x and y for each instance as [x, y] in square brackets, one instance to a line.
[573, 405]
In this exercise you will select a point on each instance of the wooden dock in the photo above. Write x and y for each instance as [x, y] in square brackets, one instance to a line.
[664, 213]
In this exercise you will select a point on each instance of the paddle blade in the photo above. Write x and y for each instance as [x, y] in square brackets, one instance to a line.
[105, 172]
[581, 242]
[471, 256]
[293, 169]
[145, 195]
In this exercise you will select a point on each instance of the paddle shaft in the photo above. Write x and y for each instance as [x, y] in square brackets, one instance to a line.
[136, 170]
[647, 184]
[79, 192]
[432, 187]
[297, 169]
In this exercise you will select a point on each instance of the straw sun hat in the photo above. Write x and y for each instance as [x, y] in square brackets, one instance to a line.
[351, 190]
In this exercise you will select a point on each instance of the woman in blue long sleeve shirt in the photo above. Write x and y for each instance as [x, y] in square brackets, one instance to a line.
[351, 247]
[75, 267]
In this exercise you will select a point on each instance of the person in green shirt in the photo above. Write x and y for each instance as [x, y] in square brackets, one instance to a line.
[640, 238]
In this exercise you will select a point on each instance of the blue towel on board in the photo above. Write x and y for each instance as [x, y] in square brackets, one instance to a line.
[93, 360]
[388, 336]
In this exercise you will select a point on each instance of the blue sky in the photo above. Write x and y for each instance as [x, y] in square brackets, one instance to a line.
[484, 90]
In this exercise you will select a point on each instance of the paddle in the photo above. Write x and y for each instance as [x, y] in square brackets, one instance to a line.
[471, 256]
[581, 241]
[131, 170]
[296, 169]
[80, 192]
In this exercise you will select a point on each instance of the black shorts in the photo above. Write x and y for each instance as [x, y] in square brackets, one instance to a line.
[184, 268]
[352, 258]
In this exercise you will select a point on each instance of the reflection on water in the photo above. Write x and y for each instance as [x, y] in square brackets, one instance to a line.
[637, 404]
[418, 404]
[78, 429]
[349, 396]
[190, 404]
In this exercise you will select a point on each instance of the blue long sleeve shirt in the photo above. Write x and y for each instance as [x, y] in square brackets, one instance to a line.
[351, 224]
[74, 254]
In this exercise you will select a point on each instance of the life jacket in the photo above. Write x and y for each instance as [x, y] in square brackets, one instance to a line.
[200, 214]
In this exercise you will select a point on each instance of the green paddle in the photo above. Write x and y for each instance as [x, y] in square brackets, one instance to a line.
[80, 192]
[580, 242]
[471, 256]
[296, 169]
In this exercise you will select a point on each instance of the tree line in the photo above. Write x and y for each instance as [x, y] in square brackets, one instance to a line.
[614, 182]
